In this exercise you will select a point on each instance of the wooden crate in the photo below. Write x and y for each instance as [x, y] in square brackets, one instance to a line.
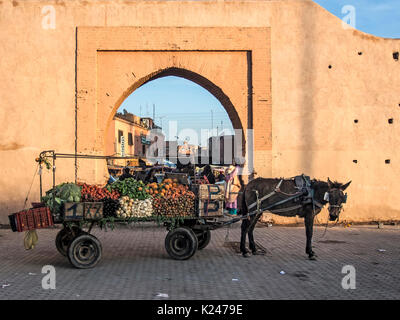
[93, 210]
[210, 208]
[209, 191]
[75, 211]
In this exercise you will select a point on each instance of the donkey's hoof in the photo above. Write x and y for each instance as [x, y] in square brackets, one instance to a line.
[313, 254]
[313, 257]
[246, 255]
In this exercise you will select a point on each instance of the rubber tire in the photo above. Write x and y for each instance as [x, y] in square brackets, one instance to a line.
[64, 238]
[181, 243]
[203, 238]
[75, 254]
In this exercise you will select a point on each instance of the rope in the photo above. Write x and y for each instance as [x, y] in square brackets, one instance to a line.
[29, 191]
[227, 233]
[288, 194]
[326, 226]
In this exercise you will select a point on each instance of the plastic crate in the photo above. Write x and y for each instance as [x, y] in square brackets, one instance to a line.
[34, 218]
[38, 204]
[13, 222]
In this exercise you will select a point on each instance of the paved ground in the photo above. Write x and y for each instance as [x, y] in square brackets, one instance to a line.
[135, 265]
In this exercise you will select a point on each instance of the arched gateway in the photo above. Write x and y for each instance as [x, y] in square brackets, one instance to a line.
[113, 62]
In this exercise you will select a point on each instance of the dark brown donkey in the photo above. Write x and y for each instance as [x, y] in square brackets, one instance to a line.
[298, 196]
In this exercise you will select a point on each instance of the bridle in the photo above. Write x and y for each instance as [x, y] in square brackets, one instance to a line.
[328, 198]
[340, 206]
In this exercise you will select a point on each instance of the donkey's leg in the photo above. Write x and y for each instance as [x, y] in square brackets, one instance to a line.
[309, 224]
[252, 243]
[244, 230]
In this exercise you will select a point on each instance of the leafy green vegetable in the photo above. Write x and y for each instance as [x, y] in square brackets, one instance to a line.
[65, 192]
[130, 187]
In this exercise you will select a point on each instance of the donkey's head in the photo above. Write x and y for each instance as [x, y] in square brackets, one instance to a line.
[336, 197]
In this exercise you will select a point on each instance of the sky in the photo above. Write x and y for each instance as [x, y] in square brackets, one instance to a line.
[179, 101]
[378, 17]
[191, 107]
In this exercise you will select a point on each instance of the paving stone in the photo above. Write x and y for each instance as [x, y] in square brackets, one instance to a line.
[135, 265]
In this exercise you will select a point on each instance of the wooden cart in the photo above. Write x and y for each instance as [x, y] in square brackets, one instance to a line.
[185, 235]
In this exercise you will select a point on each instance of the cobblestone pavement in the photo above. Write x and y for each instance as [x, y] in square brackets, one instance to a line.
[135, 265]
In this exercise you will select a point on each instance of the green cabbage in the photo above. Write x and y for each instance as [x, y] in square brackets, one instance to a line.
[69, 191]
[65, 192]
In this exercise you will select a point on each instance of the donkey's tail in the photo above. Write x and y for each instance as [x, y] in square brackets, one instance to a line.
[243, 206]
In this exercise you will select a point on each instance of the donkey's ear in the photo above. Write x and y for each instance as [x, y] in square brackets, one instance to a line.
[344, 187]
[330, 184]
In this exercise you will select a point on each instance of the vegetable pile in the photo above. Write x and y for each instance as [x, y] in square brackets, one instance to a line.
[129, 208]
[130, 187]
[173, 200]
[65, 192]
[91, 193]
[110, 207]
[128, 198]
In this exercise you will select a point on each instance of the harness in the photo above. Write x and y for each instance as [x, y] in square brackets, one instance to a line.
[305, 195]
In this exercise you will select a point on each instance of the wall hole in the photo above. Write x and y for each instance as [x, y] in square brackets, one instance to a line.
[390, 120]
[330, 67]
[387, 161]
[396, 56]
[355, 161]
[360, 53]
[355, 120]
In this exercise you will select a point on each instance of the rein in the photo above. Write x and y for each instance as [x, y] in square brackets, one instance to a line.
[327, 219]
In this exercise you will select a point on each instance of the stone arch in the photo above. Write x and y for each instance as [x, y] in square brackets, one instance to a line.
[191, 76]
[202, 81]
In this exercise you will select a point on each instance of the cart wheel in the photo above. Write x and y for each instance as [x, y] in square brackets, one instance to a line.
[64, 238]
[181, 243]
[203, 238]
[84, 251]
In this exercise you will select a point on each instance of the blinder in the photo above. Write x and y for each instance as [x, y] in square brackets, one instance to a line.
[326, 197]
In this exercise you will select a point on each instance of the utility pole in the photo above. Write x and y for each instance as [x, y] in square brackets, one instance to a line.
[212, 121]
[154, 112]
[161, 120]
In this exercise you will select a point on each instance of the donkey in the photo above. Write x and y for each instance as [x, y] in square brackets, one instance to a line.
[277, 191]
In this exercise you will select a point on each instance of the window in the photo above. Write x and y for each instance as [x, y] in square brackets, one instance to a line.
[130, 139]
[120, 134]
[143, 149]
